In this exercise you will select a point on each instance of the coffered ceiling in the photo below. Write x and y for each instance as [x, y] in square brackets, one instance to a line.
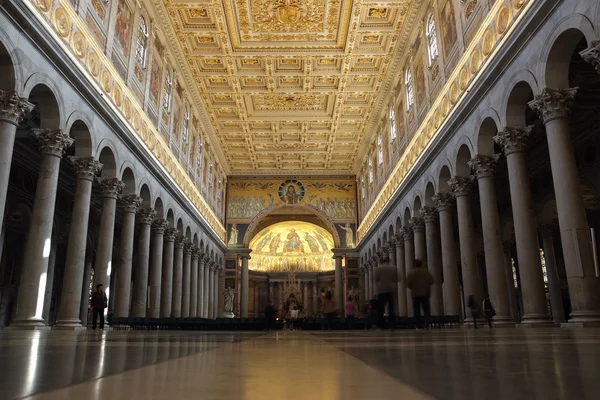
[288, 86]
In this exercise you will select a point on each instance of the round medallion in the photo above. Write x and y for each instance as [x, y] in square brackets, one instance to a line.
[463, 79]
[145, 131]
[79, 45]
[118, 96]
[475, 62]
[453, 93]
[61, 22]
[429, 131]
[93, 64]
[488, 43]
[106, 81]
[502, 20]
[518, 4]
[291, 191]
[437, 120]
[43, 5]
[127, 109]
[136, 121]
[445, 107]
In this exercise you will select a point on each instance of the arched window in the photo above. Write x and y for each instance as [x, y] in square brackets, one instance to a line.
[379, 150]
[370, 170]
[168, 91]
[392, 123]
[199, 154]
[210, 174]
[219, 191]
[432, 45]
[141, 46]
[186, 126]
[362, 187]
[410, 92]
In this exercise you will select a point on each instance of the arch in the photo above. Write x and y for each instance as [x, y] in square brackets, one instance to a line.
[109, 163]
[391, 231]
[8, 80]
[171, 218]
[445, 176]
[201, 246]
[158, 207]
[212, 254]
[429, 193]
[516, 104]
[462, 159]
[146, 196]
[548, 212]
[485, 138]
[83, 145]
[47, 111]
[195, 240]
[188, 234]
[128, 178]
[384, 238]
[406, 216]
[398, 224]
[206, 250]
[556, 56]
[523, 75]
[251, 230]
[417, 207]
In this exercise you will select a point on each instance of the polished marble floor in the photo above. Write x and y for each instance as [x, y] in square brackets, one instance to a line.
[448, 364]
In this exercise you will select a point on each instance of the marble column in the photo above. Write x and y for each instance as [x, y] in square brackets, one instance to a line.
[206, 287]
[514, 141]
[418, 228]
[315, 304]
[156, 264]
[50, 276]
[200, 285]
[177, 277]
[130, 204]
[368, 295]
[461, 187]
[103, 268]
[186, 280]
[70, 299]
[484, 167]
[451, 287]
[556, 303]
[434, 258]
[140, 273]
[554, 108]
[32, 283]
[362, 291]
[339, 282]
[391, 248]
[166, 290]
[409, 262]
[508, 272]
[244, 287]
[592, 54]
[401, 275]
[213, 290]
[194, 283]
[221, 286]
[12, 110]
[85, 289]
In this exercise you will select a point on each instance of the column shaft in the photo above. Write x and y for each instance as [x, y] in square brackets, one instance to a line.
[85, 290]
[556, 303]
[245, 282]
[156, 263]
[68, 314]
[339, 284]
[140, 273]
[409, 264]
[206, 288]
[200, 293]
[401, 276]
[434, 259]
[32, 283]
[186, 280]
[177, 278]
[508, 272]
[166, 291]
[194, 284]
[123, 293]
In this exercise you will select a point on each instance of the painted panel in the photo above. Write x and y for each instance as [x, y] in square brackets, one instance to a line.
[123, 28]
[449, 33]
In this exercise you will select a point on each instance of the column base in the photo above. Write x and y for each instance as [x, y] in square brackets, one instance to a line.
[227, 315]
[25, 326]
[67, 327]
[539, 324]
[503, 322]
[68, 324]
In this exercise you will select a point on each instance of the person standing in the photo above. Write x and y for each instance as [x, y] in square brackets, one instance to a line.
[99, 303]
[386, 280]
[419, 281]
[328, 311]
[472, 304]
[349, 308]
[270, 314]
[488, 310]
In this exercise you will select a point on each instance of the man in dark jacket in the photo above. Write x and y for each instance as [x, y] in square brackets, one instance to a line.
[99, 303]
[387, 282]
[270, 314]
[419, 281]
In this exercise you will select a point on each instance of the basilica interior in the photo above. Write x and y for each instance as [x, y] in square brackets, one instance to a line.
[179, 171]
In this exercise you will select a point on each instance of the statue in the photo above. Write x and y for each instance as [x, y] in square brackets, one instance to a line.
[228, 296]
[233, 236]
[349, 234]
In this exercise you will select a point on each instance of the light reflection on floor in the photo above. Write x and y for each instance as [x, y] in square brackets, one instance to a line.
[448, 364]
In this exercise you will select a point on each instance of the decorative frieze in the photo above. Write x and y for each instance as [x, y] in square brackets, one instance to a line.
[554, 103]
[13, 108]
[514, 138]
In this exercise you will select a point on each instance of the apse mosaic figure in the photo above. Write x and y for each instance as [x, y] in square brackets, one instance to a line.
[291, 191]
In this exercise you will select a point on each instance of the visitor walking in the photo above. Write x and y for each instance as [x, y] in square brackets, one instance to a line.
[99, 303]
[386, 281]
[488, 310]
[328, 311]
[349, 311]
[270, 314]
[419, 281]
[472, 304]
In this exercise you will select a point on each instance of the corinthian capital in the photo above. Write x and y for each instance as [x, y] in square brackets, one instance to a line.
[52, 141]
[145, 216]
[187, 247]
[170, 234]
[443, 201]
[86, 167]
[429, 214]
[130, 202]
[111, 187]
[407, 233]
[13, 107]
[179, 242]
[461, 185]
[592, 54]
[514, 138]
[159, 226]
[553, 103]
[417, 224]
[484, 165]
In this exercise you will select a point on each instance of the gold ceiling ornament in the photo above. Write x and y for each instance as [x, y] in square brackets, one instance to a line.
[287, 15]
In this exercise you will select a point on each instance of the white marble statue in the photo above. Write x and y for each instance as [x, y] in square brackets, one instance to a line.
[228, 295]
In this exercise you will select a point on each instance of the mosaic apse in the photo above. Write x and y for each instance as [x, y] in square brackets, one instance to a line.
[292, 246]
